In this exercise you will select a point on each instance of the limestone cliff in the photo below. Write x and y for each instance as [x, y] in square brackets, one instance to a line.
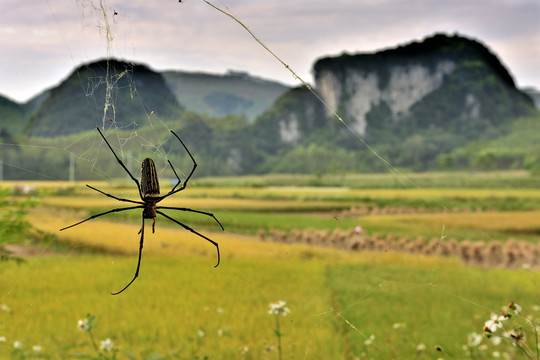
[406, 86]
[403, 80]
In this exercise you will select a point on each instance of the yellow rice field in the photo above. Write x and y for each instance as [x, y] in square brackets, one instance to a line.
[183, 307]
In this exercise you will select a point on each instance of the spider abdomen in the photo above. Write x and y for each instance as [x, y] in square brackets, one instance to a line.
[149, 179]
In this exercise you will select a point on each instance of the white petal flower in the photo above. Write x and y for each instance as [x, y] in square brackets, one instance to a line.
[83, 325]
[421, 347]
[474, 339]
[496, 340]
[17, 344]
[494, 323]
[369, 341]
[2, 339]
[279, 308]
[201, 333]
[515, 307]
[106, 344]
[37, 348]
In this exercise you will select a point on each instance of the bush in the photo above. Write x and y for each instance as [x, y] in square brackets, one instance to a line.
[13, 225]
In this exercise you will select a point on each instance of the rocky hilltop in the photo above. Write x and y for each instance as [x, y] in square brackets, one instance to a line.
[444, 102]
[401, 81]
[413, 103]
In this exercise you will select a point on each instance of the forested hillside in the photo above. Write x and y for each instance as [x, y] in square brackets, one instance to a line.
[446, 102]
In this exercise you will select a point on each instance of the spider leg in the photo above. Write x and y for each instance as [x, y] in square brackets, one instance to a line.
[114, 197]
[174, 171]
[139, 261]
[193, 231]
[191, 210]
[104, 213]
[174, 190]
[121, 163]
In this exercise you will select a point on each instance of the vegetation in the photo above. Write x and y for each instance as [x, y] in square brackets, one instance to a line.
[103, 90]
[234, 93]
[360, 295]
[13, 224]
[476, 120]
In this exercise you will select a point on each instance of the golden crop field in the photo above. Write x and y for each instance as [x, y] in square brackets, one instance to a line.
[344, 303]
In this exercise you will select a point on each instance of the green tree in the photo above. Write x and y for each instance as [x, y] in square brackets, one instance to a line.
[485, 160]
[13, 225]
[447, 161]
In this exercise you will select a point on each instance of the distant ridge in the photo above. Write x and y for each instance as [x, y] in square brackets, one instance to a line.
[77, 104]
[235, 92]
[445, 102]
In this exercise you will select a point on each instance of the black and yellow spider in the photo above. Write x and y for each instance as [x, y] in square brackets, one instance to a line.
[149, 194]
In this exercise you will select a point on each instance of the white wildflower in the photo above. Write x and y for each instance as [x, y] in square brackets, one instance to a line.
[219, 310]
[37, 348]
[494, 323]
[106, 345]
[515, 307]
[369, 341]
[2, 339]
[5, 308]
[496, 340]
[279, 308]
[201, 332]
[421, 347]
[17, 344]
[474, 339]
[83, 325]
[244, 350]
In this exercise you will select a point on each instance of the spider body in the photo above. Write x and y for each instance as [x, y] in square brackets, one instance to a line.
[150, 197]
[149, 189]
[149, 180]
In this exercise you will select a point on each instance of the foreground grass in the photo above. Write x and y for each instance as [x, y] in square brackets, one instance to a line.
[183, 306]
[404, 305]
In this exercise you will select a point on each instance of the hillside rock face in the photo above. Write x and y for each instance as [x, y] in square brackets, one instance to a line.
[412, 104]
[410, 81]
[406, 86]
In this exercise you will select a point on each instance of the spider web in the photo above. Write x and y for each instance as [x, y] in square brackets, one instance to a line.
[99, 17]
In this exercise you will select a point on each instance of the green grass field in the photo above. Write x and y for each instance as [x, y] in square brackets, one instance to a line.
[344, 305]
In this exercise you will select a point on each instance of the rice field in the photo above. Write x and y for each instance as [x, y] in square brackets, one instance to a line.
[345, 303]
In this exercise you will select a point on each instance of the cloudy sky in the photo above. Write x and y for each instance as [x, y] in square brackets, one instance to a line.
[42, 41]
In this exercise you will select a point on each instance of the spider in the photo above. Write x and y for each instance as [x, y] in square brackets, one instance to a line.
[149, 194]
